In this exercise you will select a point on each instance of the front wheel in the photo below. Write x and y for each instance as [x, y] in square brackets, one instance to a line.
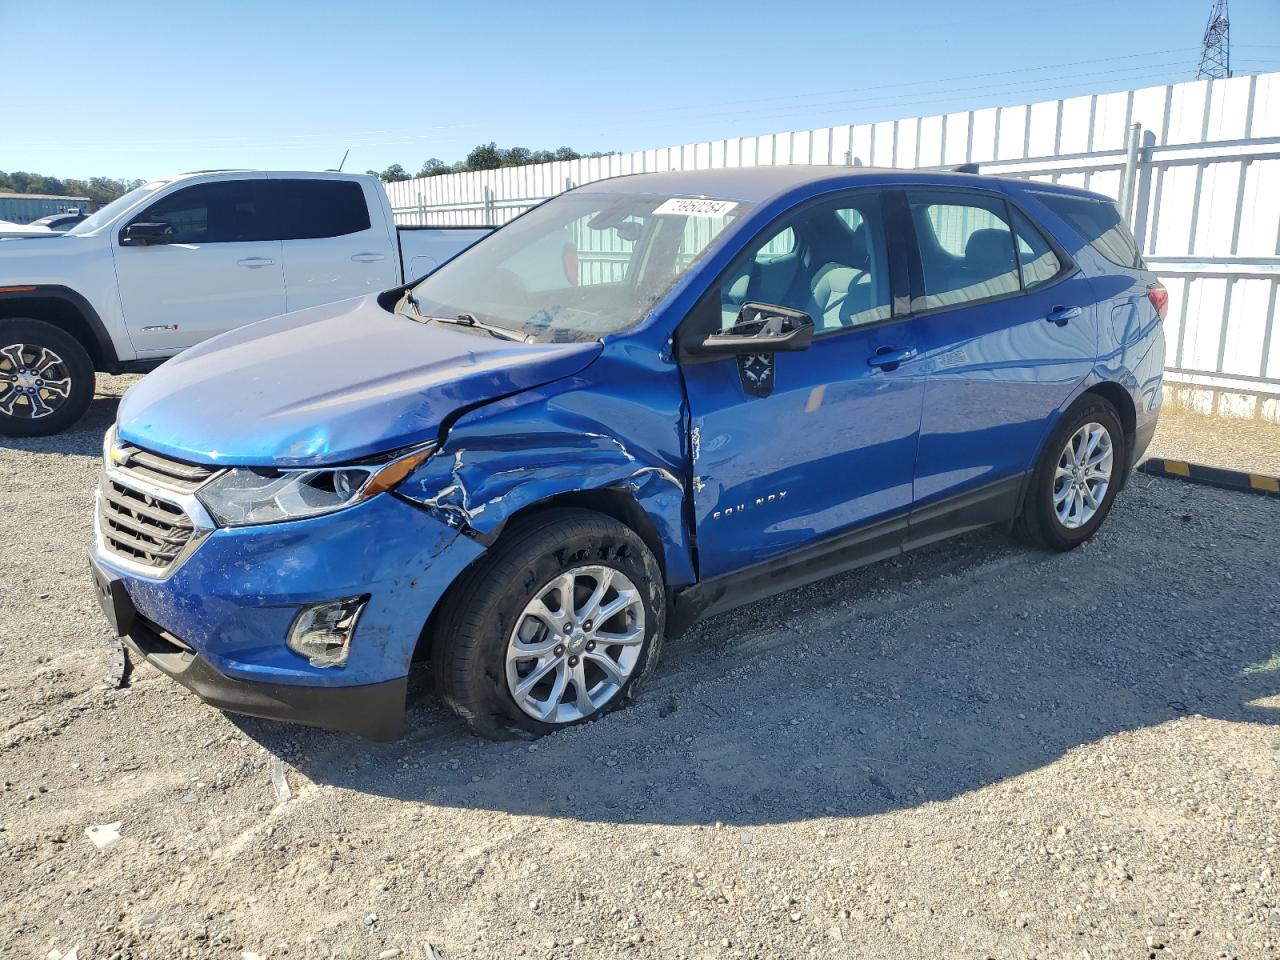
[1077, 477]
[46, 379]
[556, 626]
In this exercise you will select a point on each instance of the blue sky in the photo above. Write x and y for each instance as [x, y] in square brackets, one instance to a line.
[132, 89]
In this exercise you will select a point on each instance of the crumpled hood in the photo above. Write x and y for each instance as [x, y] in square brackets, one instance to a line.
[328, 385]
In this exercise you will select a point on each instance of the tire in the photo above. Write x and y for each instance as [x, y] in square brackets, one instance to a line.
[46, 379]
[486, 616]
[1041, 521]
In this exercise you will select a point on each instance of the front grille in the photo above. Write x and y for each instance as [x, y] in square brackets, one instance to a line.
[138, 526]
[153, 468]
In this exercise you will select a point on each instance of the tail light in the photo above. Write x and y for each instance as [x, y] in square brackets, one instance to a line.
[1159, 298]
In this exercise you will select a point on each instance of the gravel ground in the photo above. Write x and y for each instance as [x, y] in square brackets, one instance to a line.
[1235, 444]
[976, 751]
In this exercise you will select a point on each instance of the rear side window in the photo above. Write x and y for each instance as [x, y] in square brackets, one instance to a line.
[315, 209]
[1099, 222]
[1038, 261]
[966, 248]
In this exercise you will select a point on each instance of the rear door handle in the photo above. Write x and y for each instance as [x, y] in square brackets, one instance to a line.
[1060, 315]
[368, 257]
[888, 358]
[253, 262]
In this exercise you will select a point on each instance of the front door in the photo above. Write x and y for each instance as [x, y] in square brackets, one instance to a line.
[216, 275]
[796, 449]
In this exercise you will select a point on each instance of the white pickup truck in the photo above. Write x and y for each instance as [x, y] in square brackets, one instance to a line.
[179, 260]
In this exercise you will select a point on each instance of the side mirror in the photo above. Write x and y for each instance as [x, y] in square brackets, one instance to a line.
[761, 328]
[146, 234]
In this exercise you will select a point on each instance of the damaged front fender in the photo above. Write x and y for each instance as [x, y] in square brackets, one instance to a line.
[501, 459]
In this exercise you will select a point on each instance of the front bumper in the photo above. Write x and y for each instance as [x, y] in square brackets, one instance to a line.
[218, 622]
[373, 710]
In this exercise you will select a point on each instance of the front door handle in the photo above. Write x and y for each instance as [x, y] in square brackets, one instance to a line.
[889, 358]
[1060, 315]
[254, 262]
[368, 257]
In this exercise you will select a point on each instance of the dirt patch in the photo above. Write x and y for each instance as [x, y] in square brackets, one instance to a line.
[1230, 443]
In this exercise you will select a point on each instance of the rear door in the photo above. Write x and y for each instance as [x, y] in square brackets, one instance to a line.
[220, 272]
[808, 449]
[333, 248]
[1006, 328]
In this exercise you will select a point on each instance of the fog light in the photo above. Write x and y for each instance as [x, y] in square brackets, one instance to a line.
[322, 632]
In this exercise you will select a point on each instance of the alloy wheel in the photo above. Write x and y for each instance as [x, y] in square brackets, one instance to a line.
[575, 644]
[1083, 475]
[34, 381]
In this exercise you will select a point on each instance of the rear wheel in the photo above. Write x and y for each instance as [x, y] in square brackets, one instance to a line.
[46, 379]
[557, 625]
[1077, 477]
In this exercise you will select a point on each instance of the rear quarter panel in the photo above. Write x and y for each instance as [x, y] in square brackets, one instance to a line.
[1130, 333]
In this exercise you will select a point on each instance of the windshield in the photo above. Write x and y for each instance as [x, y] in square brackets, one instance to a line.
[116, 206]
[579, 266]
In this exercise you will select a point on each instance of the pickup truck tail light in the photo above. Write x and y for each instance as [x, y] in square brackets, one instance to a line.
[1159, 298]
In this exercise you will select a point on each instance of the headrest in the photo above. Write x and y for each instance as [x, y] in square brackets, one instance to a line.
[992, 247]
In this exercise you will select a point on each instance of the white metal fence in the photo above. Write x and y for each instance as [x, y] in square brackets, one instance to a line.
[1196, 167]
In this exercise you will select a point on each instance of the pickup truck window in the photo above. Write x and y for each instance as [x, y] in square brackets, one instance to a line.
[579, 266]
[315, 209]
[116, 207]
[225, 211]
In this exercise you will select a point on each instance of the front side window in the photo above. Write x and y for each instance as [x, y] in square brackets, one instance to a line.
[317, 209]
[227, 211]
[829, 261]
[579, 266]
[966, 248]
[117, 206]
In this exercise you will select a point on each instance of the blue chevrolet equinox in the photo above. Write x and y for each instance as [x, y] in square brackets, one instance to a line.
[648, 400]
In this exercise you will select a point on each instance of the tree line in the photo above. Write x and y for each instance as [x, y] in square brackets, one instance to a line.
[486, 156]
[101, 190]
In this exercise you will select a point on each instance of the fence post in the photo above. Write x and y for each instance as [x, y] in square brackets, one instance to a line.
[488, 206]
[422, 211]
[1142, 198]
[1129, 178]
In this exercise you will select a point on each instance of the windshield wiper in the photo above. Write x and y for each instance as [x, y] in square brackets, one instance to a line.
[413, 313]
[469, 321]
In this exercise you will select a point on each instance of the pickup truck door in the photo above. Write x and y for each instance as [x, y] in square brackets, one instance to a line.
[337, 243]
[807, 454]
[219, 272]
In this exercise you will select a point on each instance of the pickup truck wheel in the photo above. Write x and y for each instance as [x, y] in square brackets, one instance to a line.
[46, 379]
[557, 625]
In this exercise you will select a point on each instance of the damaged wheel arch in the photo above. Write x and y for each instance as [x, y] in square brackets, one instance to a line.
[615, 503]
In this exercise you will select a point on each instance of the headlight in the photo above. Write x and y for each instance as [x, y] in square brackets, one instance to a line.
[248, 495]
[112, 452]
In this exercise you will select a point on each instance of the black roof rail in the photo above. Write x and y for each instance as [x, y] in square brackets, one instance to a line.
[965, 168]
